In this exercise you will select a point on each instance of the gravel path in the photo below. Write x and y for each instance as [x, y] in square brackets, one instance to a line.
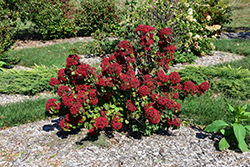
[41, 144]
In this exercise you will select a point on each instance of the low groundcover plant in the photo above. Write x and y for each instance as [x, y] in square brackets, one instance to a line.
[133, 88]
[235, 132]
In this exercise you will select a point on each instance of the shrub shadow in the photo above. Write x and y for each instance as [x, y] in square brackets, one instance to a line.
[87, 138]
[108, 132]
[64, 134]
[52, 127]
[236, 29]
[61, 134]
[100, 140]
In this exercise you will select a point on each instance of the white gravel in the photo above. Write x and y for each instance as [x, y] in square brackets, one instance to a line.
[31, 145]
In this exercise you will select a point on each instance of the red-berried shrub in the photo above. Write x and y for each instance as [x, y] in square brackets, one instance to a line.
[133, 88]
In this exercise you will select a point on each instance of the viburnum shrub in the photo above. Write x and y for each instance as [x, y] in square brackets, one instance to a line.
[133, 88]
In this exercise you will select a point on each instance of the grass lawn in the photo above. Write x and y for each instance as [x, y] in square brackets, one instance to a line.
[240, 16]
[237, 46]
[48, 55]
[14, 114]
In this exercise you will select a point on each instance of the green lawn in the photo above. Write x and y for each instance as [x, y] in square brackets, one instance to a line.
[48, 55]
[240, 17]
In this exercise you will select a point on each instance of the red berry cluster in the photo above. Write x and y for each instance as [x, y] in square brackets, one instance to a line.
[63, 90]
[174, 78]
[52, 104]
[116, 123]
[72, 119]
[126, 47]
[54, 82]
[74, 97]
[64, 125]
[76, 108]
[175, 95]
[61, 75]
[162, 78]
[174, 121]
[130, 106]
[72, 60]
[202, 88]
[189, 87]
[93, 131]
[83, 70]
[152, 114]
[143, 91]
[82, 87]
[146, 35]
[101, 122]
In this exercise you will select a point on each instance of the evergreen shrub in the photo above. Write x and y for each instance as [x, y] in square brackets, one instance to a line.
[226, 80]
[27, 82]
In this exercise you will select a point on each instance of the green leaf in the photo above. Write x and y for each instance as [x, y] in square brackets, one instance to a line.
[86, 125]
[114, 100]
[83, 118]
[223, 144]
[143, 104]
[112, 106]
[117, 109]
[239, 131]
[106, 106]
[222, 131]
[245, 116]
[157, 38]
[216, 126]
[92, 121]
[244, 107]
[230, 107]
[185, 123]
[243, 146]
[247, 127]
[90, 126]
[240, 134]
